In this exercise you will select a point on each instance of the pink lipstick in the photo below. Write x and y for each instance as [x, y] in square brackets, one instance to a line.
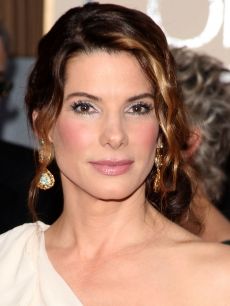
[112, 167]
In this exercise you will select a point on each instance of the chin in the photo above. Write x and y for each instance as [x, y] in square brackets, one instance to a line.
[114, 194]
[113, 199]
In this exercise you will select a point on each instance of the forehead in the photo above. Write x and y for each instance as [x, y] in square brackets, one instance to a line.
[103, 69]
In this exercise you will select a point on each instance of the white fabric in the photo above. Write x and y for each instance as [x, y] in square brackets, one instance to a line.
[27, 277]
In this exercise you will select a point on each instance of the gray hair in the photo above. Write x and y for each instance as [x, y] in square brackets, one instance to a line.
[205, 83]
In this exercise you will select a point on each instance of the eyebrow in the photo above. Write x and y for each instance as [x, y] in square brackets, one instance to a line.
[95, 98]
[82, 94]
[141, 96]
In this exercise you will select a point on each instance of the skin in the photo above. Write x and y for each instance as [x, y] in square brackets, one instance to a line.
[110, 130]
[109, 245]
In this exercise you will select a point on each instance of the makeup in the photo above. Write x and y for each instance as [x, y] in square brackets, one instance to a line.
[112, 167]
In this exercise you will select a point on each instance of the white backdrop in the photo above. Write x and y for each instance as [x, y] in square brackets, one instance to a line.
[200, 24]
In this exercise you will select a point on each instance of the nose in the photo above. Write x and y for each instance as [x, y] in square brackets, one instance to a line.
[114, 133]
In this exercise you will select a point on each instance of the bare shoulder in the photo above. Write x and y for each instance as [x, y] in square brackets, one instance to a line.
[207, 254]
[208, 271]
[201, 267]
[193, 272]
[203, 255]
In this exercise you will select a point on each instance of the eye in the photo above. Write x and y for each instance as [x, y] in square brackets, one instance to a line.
[140, 108]
[84, 108]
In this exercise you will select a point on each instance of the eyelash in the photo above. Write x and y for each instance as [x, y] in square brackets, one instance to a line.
[142, 108]
[86, 108]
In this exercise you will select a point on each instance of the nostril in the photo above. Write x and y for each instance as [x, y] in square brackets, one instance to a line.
[114, 137]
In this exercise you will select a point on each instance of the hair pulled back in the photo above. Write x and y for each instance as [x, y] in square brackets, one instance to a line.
[113, 28]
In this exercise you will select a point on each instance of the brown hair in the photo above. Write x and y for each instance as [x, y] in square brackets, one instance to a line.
[113, 28]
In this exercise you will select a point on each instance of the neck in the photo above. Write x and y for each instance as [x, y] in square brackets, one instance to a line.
[95, 226]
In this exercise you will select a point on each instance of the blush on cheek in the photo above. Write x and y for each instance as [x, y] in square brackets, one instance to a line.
[73, 135]
[147, 135]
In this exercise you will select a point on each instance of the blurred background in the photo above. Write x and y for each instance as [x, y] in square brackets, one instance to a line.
[203, 25]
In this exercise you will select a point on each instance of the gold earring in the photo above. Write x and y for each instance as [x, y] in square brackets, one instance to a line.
[158, 163]
[46, 180]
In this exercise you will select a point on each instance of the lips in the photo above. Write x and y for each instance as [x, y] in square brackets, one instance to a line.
[112, 167]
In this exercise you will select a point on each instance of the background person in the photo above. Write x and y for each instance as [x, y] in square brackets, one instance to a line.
[14, 178]
[17, 164]
[205, 83]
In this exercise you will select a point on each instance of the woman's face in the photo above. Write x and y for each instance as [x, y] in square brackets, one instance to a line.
[105, 136]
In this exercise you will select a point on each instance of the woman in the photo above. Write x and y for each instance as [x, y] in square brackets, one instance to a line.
[103, 100]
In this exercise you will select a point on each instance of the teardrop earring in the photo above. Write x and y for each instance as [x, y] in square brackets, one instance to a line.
[46, 180]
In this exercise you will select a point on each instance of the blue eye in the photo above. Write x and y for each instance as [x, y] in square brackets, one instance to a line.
[84, 108]
[140, 108]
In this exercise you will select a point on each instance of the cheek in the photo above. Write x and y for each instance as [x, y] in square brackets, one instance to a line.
[146, 135]
[71, 135]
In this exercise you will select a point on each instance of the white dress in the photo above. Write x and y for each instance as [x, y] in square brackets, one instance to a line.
[27, 277]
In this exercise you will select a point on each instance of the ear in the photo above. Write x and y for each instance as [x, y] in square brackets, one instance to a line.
[34, 117]
[50, 135]
[193, 143]
[159, 141]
